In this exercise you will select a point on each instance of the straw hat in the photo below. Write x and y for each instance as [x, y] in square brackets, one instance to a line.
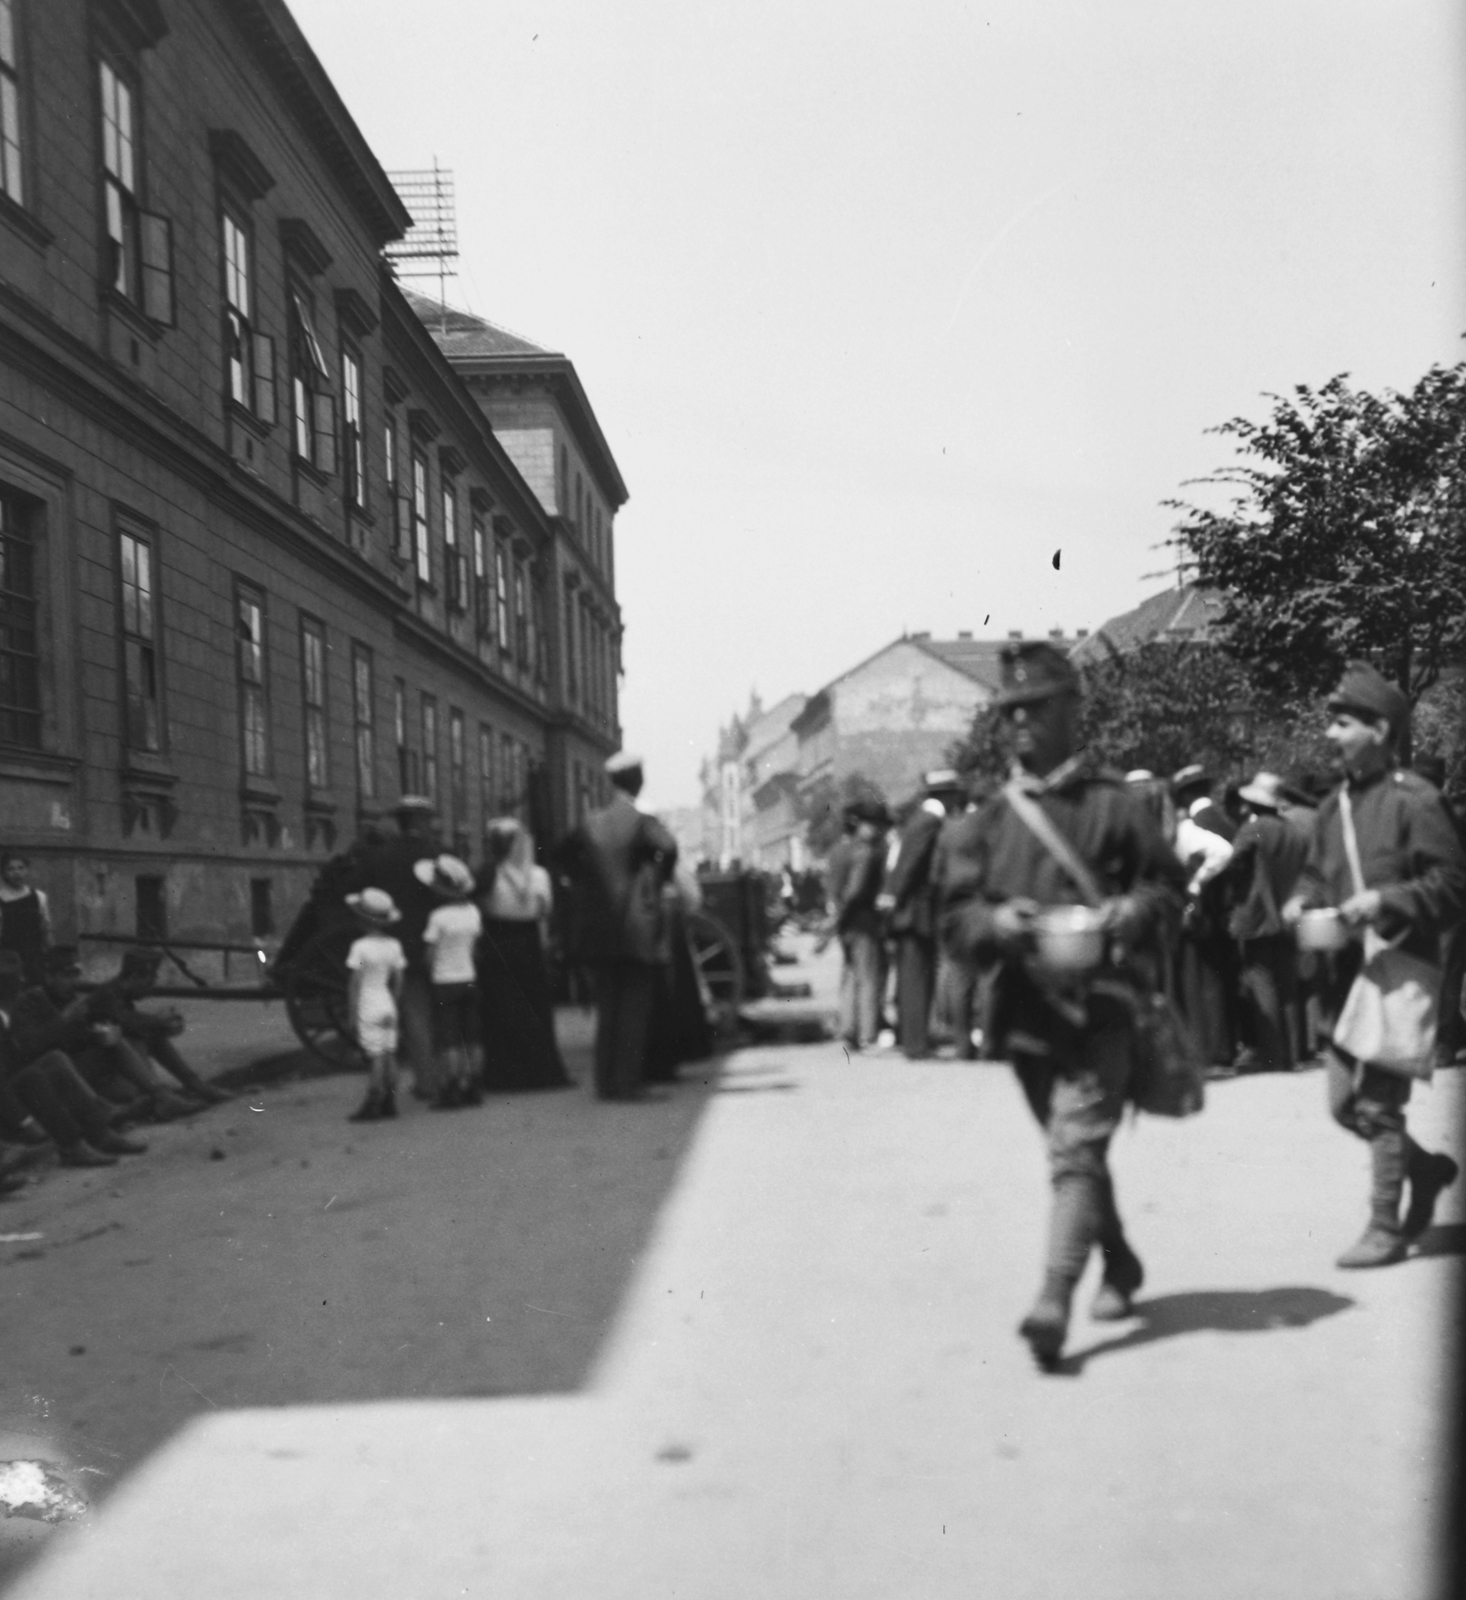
[1265, 790]
[375, 906]
[447, 874]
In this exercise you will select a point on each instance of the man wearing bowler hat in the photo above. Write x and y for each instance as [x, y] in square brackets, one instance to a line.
[1414, 889]
[909, 896]
[1069, 1038]
[619, 860]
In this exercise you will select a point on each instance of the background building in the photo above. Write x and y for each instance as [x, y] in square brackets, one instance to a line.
[264, 563]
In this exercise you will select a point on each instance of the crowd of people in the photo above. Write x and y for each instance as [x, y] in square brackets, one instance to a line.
[1279, 925]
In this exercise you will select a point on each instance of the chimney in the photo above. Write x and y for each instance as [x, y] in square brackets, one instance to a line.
[964, 633]
[1081, 633]
[1056, 633]
[1015, 633]
[925, 634]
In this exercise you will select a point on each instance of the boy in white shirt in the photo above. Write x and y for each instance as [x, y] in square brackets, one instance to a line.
[376, 963]
[451, 941]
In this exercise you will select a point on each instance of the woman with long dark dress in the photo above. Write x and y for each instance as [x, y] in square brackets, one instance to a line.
[514, 896]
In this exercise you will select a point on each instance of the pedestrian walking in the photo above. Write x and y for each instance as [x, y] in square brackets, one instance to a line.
[1267, 856]
[618, 861]
[450, 940]
[1061, 830]
[909, 900]
[517, 1018]
[853, 883]
[376, 963]
[1386, 858]
[1450, 1044]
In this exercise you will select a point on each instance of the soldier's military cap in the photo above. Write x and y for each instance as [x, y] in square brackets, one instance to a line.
[1034, 670]
[943, 781]
[623, 761]
[1365, 690]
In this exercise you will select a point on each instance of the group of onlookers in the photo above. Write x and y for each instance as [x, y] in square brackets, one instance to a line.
[78, 1069]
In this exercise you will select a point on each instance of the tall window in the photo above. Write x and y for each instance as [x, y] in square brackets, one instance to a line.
[313, 693]
[458, 771]
[353, 440]
[501, 596]
[482, 598]
[20, 676]
[430, 748]
[253, 709]
[401, 506]
[250, 355]
[12, 182]
[487, 799]
[420, 518]
[406, 765]
[313, 406]
[572, 676]
[521, 616]
[139, 654]
[362, 701]
[453, 564]
[119, 180]
[508, 791]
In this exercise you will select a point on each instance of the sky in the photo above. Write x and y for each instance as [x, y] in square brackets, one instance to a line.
[880, 305]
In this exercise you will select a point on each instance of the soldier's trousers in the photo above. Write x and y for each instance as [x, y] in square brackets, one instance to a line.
[625, 991]
[1080, 1103]
[862, 988]
[916, 964]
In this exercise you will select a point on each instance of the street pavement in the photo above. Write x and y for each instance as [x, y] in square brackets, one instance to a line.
[761, 1340]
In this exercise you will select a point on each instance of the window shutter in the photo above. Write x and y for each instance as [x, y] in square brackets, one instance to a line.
[157, 262]
[324, 407]
[404, 527]
[264, 377]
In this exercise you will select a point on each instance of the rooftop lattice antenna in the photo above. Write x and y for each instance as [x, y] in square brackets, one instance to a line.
[432, 241]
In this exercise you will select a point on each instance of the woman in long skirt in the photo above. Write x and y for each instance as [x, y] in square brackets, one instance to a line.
[518, 1032]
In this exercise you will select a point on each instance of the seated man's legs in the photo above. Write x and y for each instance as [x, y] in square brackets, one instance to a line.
[168, 1056]
[54, 1093]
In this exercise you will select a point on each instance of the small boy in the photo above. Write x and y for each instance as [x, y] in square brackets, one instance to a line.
[451, 941]
[376, 963]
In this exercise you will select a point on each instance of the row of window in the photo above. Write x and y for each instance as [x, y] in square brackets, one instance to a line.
[502, 762]
[591, 526]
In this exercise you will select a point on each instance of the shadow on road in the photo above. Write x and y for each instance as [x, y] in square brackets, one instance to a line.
[1168, 1316]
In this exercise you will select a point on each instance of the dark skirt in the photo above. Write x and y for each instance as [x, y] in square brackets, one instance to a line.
[518, 1031]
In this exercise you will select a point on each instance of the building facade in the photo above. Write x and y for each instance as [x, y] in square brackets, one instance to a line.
[264, 564]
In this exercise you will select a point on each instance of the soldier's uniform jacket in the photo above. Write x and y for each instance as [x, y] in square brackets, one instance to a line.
[1408, 850]
[991, 856]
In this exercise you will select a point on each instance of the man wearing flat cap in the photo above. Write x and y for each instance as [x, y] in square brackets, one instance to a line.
[618, 862]
[909, 897]
[1070, 1038]
[1413, 889]
[853, 877]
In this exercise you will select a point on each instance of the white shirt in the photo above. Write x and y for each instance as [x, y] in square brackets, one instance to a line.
[376, 956]
[1193, 842]
[450, 936]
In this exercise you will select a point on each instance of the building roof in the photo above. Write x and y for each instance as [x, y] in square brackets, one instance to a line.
[462, 335]
[772, 725]
[1188, 614]
[485, 354]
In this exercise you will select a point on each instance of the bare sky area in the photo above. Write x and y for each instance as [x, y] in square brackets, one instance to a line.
[879, 305]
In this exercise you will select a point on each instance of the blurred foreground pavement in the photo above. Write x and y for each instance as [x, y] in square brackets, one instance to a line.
[755, 1338]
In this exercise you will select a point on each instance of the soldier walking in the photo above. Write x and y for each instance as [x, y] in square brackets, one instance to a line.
[1061, 819]
[1384, 853]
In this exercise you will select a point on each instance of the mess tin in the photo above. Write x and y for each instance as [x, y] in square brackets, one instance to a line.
[1322, 930]
[1069, 938]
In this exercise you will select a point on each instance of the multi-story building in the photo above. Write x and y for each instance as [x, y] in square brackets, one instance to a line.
[264, 564]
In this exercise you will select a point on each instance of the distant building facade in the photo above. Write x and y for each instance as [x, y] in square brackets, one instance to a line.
[1188, 614]
[265, 564]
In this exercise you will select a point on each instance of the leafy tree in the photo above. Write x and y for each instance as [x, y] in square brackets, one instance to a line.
[824, 803]
[1346, 536]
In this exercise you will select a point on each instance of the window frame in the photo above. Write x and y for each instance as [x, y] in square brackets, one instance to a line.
[251, 690]
[422, 555]
[521, 616]
[458, 768]
[363, 719]
[19, 510]
[455, 585]
[315, 703]
[353, 428]
[138, 647]
[121, 271]
[14, 140]
[487, 794]
[312, 402]
[428, 727]
[246, 348]
[406, 755]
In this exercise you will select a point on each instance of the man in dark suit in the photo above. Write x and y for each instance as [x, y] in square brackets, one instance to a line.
[909, 897]
[618, 861]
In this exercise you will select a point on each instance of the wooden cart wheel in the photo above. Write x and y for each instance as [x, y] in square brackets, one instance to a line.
[315, 998]
[720, 978]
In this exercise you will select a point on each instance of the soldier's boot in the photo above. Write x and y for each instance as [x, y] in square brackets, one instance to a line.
[1124, 1273]
[1382, 1243]
[1074, 1224]
[1428, 1174]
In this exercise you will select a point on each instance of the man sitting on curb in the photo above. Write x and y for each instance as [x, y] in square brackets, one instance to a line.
[150, 1032]
[50, 1089]
[53, 1016]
